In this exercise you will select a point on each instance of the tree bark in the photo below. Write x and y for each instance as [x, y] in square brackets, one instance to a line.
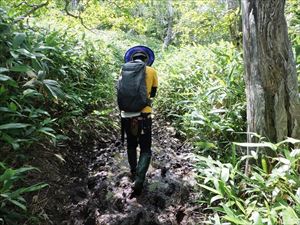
[74, 4]
[169, 34]
[273, 106]
[235, 27]
[233, 4]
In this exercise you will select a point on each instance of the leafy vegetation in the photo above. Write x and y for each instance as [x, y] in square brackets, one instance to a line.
[265, 196]
[12, 196]
[203, 92]
[51, 84]
[39, 82]
[293, 19]
[58, 65]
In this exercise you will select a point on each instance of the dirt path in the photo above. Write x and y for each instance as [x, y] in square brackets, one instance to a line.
[98, 193]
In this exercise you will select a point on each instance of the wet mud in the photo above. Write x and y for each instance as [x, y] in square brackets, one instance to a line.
[93, 187]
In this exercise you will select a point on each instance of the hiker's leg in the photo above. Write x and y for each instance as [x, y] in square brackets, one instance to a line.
[145, 155]
[145, 139]
[131, 146]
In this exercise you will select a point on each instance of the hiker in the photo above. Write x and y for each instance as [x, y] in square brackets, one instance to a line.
[136, 111]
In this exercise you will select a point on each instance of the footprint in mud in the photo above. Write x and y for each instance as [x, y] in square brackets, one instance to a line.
[167, 198]
[156, 205]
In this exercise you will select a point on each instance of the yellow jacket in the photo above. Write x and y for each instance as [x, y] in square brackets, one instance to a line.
[151, 82]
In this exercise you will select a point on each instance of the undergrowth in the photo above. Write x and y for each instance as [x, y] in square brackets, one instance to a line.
[53, 86]
[268, 194]
[202, 91]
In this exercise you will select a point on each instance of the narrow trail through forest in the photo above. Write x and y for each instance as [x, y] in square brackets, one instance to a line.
[100, 195]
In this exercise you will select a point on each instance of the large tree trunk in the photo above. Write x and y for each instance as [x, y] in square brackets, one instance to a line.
[273, 108]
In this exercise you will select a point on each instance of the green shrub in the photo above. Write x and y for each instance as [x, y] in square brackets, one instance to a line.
[46, 75]
[202, 90]
[265, 196]
[50, 82]
[12, 202]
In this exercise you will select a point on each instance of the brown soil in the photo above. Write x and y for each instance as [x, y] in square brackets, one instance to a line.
[90, 185]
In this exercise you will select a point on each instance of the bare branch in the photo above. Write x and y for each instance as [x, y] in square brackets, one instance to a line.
[31, 11]
[36, 7]
[115, 4]
[67, 11]
[76, 16]
[24, 3]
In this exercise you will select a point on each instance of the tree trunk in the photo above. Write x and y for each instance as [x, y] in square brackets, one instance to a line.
[235, 26]
[169, 34]
[233, 4]
[75, 4]
[273, 106]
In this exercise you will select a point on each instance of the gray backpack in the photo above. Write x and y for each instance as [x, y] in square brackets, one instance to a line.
[131, 88]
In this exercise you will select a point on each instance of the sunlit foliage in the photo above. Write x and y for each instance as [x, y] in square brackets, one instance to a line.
[58, 65]
[202, 90]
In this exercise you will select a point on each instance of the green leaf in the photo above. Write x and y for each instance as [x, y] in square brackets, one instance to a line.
[8, 80]
[241, 207]
[25, 169]
[13, 107]
[4, 195]
[32, 188]
[43, 47]
[20, 68]
[4, 77]
[254, 154]
[13, 126]
[15, 55]
[256, 218]
[289, 140]
[15, 145]
[18, 40]
[231, 216]
[7, 174]
[31, 92]
[210, 189]
[290, 217]
[257, 145]
[217, 219]
[295, 153]
[25, 52]
[3, 69]
[225, 174]
[48, 131]
[5, 109]
[2, 165]
[215, 198]
[54, 89]
[20, 205]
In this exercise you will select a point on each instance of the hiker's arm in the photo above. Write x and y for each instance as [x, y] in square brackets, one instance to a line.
[154, 86]
[153, 92]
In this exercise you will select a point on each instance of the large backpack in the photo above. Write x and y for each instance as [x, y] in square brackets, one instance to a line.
[131, 88]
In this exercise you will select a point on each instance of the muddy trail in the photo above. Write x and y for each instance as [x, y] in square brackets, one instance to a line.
[96, 189]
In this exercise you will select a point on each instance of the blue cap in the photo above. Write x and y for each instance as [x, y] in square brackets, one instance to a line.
[140, 48]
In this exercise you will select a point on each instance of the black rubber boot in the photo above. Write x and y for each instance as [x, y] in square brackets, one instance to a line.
[143, 165]
[132, 160]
